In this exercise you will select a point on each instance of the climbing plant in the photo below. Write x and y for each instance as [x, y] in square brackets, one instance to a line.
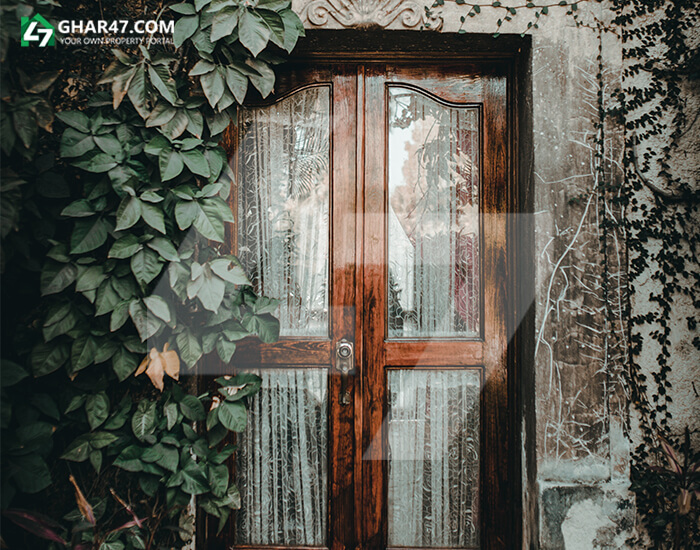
[659, 201]
[132, 272]
[113, 227]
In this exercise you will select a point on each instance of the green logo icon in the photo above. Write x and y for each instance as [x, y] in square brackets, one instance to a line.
[37, 29]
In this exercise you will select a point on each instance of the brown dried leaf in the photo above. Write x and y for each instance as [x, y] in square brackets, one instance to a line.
[83, 504]
[172, 363]
[155, 370]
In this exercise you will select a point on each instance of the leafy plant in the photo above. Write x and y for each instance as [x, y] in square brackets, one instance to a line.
[668, 495]
[134, 278]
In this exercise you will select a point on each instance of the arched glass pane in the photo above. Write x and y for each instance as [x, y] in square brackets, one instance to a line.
[433, 210]
[284, 181]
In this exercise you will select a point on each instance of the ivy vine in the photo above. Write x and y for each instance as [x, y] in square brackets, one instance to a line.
[133, 276]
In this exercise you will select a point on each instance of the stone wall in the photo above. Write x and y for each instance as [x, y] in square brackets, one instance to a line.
[577, 440]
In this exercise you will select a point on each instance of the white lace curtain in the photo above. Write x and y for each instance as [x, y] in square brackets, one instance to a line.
[282, 461]
[283, 206]
[433, 217]
[433, 441]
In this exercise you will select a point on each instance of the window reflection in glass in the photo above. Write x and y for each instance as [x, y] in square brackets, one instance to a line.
[433, 225]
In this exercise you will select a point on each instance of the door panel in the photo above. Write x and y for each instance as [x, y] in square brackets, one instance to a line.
[295, 195]
[455, 274]
[371, 200]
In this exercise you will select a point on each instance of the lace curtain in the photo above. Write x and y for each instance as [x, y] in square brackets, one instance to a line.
[283, 167]
[282, 461]
[433, 217]
[433, 441]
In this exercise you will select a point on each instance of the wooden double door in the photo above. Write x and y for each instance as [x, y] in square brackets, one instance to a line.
[372, 200]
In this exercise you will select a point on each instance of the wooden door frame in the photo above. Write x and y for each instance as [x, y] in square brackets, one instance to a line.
[360, 46]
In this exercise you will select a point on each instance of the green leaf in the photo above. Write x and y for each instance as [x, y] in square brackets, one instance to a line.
[97, 409]
[124, 363]
[202, 67]
[153, 216]
[125, 247]
[145, 265]
[156, 145]
[109, 144]
[100, 440]
[107, 298]
[90, 279]
[144, 419]
[170, 163]
[78, 450]
[263, 304]
[265, 82]
[139, 93]
[76, 120]
[213, 86]
[107, 347]
[194, 482]
[163, 81]
[88, 235]
[96, 162]
[253, 32]
[237, 83]
[231, 272]
[189, 347]
[195, 122]
[169, 458]
[210, 220]
[130, 459]
[192, 408]
[161, 114]
[75, 143]
[96, 460]
[32, 475]
[175, 128]
[196, 162]
[171, 414]
[78, 209]
[223, 23]
[60, 319]
[225, 349]
[165, 248]
[82, 353]
[233, 415]
[75, 403]
[274, 22]
[265, 326]
[211, 291]
[128, 213]
[218, 479]
[184, 28]
[158, 307]
[56, 277]
[293, 28]
[185, 213]
[11, 372]
[146, 325]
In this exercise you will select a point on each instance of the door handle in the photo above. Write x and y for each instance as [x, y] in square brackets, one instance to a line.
[345, 362]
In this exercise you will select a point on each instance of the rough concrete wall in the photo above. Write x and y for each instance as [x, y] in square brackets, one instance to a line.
[582, 450]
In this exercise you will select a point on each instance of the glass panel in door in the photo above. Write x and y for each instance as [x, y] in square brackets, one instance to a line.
[283, 205]
[433, 211]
